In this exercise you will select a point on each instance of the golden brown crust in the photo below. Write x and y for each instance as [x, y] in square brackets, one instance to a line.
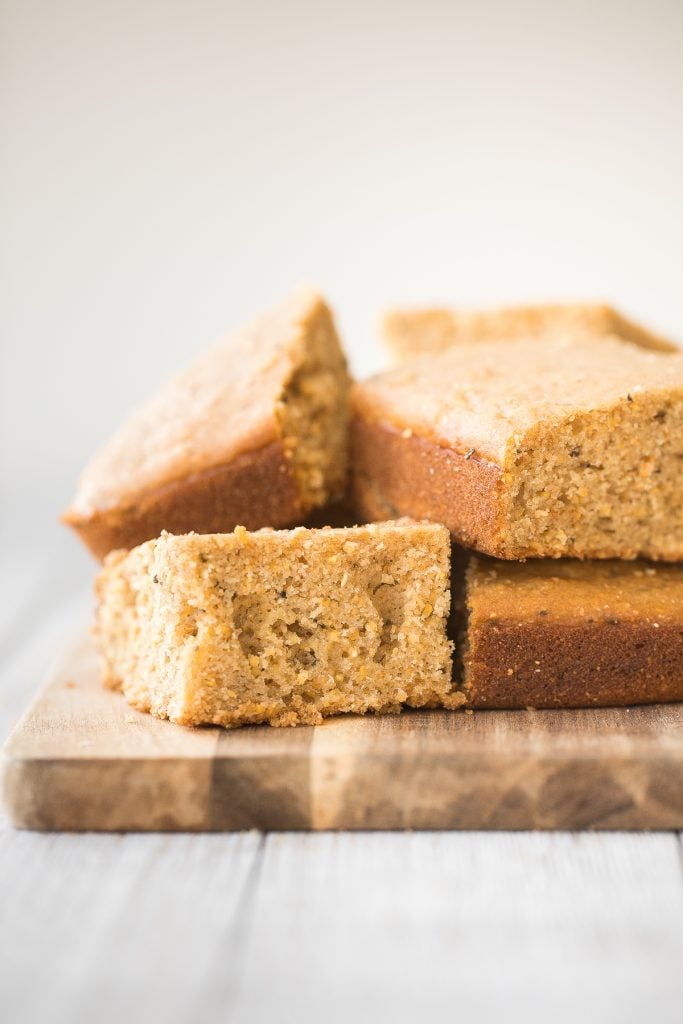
[411, 332]
[255, 489]
[571, 634]
[253, 432]
[550, 665]
[396, 473]
[639, 335]
[530, 451]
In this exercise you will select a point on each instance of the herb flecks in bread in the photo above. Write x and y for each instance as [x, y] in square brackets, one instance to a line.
[284, 627]
[527, 450]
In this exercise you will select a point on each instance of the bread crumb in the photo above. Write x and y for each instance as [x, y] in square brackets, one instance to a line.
[284, 627]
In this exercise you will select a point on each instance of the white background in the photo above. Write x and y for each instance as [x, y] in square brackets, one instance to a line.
[168, 169]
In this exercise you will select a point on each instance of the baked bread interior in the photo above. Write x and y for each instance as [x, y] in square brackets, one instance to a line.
[284, 627]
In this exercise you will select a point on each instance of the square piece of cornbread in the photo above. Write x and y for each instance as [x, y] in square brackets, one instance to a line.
[413, 332]
[529, 450]
[571, 634]
[283, 627]
[253, 432]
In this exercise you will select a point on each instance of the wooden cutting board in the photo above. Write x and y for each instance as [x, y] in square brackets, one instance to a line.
[81, 758]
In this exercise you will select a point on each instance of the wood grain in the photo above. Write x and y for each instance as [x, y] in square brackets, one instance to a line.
[465, 926]
[82, 759]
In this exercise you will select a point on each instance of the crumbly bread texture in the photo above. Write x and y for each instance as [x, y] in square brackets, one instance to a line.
[412, 332]
[284, 627]
[572, 634]
[254, 432]
[529, 450]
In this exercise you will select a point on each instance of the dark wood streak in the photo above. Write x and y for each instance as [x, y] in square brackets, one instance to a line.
[261, 779]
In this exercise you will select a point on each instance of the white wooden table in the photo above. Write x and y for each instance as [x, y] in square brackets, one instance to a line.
[327, 927]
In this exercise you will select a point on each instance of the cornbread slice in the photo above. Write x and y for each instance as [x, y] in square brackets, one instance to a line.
[572, 634]
[280, 627]
[529, 450]
[412, 332]
[254, 433]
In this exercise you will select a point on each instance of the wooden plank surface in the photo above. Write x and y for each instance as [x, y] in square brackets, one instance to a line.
[463, 926]
[341, 927]
[82, 759]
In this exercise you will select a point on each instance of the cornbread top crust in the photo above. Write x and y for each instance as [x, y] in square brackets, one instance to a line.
[565, 591]
[276, 387]
[222, 406]
[411, 332]
[490, 397]
[279, 626]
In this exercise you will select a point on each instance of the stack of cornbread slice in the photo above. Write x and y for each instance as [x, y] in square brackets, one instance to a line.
[541, 451]
[557, 456]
